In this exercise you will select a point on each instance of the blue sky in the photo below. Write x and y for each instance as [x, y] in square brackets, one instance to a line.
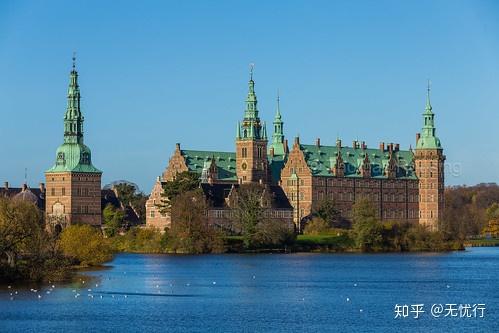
[156, 73]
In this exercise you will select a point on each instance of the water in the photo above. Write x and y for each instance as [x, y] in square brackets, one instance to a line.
[263, 293]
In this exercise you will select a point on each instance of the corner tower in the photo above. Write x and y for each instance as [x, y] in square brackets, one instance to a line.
[251, 142]
[73, 184]
[429, 160]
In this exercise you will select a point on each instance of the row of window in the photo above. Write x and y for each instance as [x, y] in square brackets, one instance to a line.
[78, 192]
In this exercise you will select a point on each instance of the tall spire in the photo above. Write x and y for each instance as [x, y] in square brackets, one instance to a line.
[428, 107]
[73, 119]
[278, 136]
[251, 101]
[73, 155]
[251, 127]
[428, 139]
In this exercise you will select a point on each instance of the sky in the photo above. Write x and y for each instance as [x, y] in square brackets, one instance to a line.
[153, 73]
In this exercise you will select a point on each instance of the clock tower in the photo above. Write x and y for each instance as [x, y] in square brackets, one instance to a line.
[251, 142]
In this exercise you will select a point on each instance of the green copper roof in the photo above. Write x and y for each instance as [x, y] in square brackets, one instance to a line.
[428, 139]
[321, 159]
[73, 155]
[251, 128]
[278, 136]
[225, 161]
[197, 160]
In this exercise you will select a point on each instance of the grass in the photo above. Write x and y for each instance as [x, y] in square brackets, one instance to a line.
[482, 242]
[327, 243]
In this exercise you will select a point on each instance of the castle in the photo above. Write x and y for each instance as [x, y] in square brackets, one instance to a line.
[403, 185]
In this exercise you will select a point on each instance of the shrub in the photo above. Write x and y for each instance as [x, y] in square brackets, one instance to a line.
[85, 245]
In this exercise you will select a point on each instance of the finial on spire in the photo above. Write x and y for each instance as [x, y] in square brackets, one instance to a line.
[74, 60]
[252, 66]
[428, 88]
[278, 114]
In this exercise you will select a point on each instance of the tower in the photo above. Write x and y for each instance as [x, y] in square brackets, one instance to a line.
[251, 142]
[429, 160]
[278, 137]
[73, 184]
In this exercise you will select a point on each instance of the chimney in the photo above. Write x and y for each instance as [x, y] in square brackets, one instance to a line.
[382, 146]
[338, 143]
[397, 146]
[297, 140]
[177, 146]
[42, 187]
[354, 144]
[271, 151]
[318, 142]
[364, 146]
[418, 135]
[390, 147]
[286, 149]
[6, 185]
[25, 187]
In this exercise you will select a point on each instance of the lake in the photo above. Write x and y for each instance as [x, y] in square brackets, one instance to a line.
[267, 293]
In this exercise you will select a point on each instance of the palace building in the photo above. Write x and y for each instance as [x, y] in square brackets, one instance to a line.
[73, 184]
[403, 185]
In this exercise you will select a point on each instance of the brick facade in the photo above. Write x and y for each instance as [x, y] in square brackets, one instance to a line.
[73, 198]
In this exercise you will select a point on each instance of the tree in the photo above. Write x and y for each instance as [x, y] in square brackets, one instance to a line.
[129, 196]
[190, 232]
[20, 224]
[273, 233]
[316, 226]
[366, 227]
[249, 211]
[113, 220]
[85, 245]
[326, 210]
[183, 182]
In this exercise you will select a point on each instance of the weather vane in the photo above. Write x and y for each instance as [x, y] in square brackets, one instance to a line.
[74, 60]
[252, 66]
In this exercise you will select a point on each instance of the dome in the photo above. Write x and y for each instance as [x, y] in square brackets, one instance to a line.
[26, 195]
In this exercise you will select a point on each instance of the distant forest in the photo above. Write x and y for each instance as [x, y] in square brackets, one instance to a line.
[471, 210]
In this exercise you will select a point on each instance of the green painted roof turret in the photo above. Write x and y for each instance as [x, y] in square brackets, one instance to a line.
[251, 127]
[278, 136]
[428, 138]
[73, 155]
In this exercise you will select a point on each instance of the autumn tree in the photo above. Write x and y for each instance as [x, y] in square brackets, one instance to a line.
[190, 231]
[20, 225]
[85, 245]
[183, 182]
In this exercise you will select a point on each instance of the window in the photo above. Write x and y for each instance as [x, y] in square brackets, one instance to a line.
[244, 152]
[63, 191]
[52, 191]
[151, 214]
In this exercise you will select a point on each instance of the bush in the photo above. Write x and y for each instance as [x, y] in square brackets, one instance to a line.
[273, 233]
[85, 245]
[316, 226]
[140, 240]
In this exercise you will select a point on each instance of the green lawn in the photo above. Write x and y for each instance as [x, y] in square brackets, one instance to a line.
[482, 242]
